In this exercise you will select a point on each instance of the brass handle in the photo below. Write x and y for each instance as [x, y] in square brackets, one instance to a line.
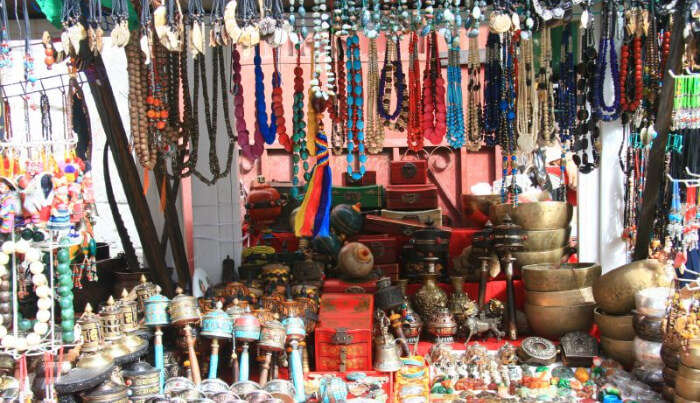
[343, 358]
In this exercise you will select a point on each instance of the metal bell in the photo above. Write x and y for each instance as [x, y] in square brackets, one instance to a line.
[386, 353]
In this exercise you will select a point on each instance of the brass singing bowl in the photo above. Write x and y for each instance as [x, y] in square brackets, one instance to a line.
[534, 215]
[554, 277]
[552, 256]
[618, 327]
[553, 321]
[687, 372]
[690, 357]
[546, 239]
[687, 388]
[670, 355]
[615, 290]
[621, 351]
[560, 298]
[679, 399]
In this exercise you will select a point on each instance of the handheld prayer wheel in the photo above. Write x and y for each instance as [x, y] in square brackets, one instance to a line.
[142, 380]
[482, 244]
[91, 357]
[129, 323]
[296, 333]
[246, 329]
[272, 337]
[216, 324]
[110, 321]
[235, 311]
[144, 290]
[508, 238]
[184, 311]
[107, 392]
[156, 315]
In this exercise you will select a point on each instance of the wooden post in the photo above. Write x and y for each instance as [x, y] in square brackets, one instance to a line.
[655, 163]
[119, 144]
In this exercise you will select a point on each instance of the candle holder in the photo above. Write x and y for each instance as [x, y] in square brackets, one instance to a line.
[184, 311]
[216, 325]
[246, 329]
[156, 316]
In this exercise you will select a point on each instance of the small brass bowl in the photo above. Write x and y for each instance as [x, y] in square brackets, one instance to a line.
[648, 327]
[690, 373]
[618, 327]
[615, 290]
[553, 321]
[560, 298]
[554, 277]
[669, 376]
[534, 215]
[552, 256]
[619, 350]
[546, 239]
[687, 388]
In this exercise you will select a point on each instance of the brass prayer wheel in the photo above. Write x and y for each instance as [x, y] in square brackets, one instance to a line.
[236, 310]
[247, 328]
[110, 320]
[183, 309]
[272, 336]
[142, 380]
[144, 290]
[129, 313]
[108, 392]
[90, 330]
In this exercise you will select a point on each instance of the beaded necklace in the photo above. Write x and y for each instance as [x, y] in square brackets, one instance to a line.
[475, 136]
[607, 48]
[413, 128]
[392, 71]
[455, 114]
[5, 59]
[340, 107]
[632, 76]
[527, 111]
[300, 152]
[374, 129]
[506, 130]
[587, 133]
[267, 131]
[277, 105]
[566, 103]
[493, 75]
[434, 111]
[652, 59]
[251, 152]
[544, 88]
[355, 104]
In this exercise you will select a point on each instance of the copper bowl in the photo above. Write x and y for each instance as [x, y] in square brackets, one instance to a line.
[552, 256]
[554, 277]
[621, 351]
[648, 327]
[553, 321]
[618, 327]
[534, 215]
[687, 388]
[547, 239]
[560, 298]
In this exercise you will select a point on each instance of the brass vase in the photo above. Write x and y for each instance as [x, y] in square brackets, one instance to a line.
[429, 297]
[459, 303]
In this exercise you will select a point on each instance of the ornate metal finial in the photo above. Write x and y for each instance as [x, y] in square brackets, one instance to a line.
[125, 293]
[110, 300]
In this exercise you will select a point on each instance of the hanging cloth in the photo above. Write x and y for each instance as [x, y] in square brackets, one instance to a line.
[313, 218]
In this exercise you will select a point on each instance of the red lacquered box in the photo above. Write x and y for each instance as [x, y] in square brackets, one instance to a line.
[385, 248]
[411, 197]
[344, 332]
[408, 172]
[336, 285]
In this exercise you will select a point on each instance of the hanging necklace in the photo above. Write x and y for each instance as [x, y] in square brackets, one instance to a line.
[355, 105]
[277, 105]
[267, 131]
[633, 75]
[392, 71]
[455, 113]
[251, 152]
[340, 107]
[607, 48]
[475, 137]
[413, 128]
[299, 149]
[374, 129]
[527, 111]
[507, 130]
[493, 76]
[434, 111]
[566, 104]
[544, 88]
[587, 133]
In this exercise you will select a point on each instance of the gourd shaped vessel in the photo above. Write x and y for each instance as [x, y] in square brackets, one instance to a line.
[429, 297]
[355, 261]
[328, 245]
[184, 309]
[144, 290]
[156, 313]
[263, 204]
[272, 336]
[217, 324]
[107, 392]
[346, 220]
[142, 380]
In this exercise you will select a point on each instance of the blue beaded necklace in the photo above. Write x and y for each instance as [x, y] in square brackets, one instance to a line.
[607, 44]
[455, 115]
[507, 119]
[492, 90]
[356, 124]
[268, 131]
[399, 82]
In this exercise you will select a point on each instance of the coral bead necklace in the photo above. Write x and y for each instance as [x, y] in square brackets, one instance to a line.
[631, 75]
[356, 124]
[277, 106]
[433, 121]
[413, 128]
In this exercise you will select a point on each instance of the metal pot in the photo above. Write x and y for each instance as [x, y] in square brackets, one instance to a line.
[615, 290]
[552, 256]
[561, 298]
[619, 350]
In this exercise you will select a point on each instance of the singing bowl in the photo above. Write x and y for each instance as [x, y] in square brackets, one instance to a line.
[648, 327]
[553, 321]
[535, 215]
[552, 256]
[560, 298]
[679, 399]
[670, 355]
[670, 376]
[615, 290]
[621, 351]
[652, 301]
[687, 388]
[554, 277]
[618, 327]
[687, 372]
[690, 357]
[546, 239]
[648, 352]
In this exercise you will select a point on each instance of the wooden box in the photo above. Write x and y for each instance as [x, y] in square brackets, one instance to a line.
[408, 172]
[343, 339]
[382, 225]
[282, 224]
[412, 197]
[385, 248]
[369, 197]
[423, 217]
[369, 178]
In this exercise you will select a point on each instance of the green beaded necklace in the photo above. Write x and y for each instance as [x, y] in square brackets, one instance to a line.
[299, 150]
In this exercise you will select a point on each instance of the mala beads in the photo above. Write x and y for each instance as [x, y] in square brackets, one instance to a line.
[267, 131]
[277, 106]
[65, 291]
[455, 116]
[340, 107]
[566, 105]
[607, 48]
[374, 129]
[413, 127]
[587, 132]
[251, 152]
[434, 111]
[299, 150]
[392, 71]
[634, 30]
[355, 104]
[527, 113]
[544, 88]
[493, 75]
[475, 137]
[506, 130]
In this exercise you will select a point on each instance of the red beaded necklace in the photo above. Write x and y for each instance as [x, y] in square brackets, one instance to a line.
[277, 107]
[413, 128]
[631, 105]
[251, 152]
[434, 110]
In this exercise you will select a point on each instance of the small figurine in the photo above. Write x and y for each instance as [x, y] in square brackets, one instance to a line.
[60, 207]
[10, 207]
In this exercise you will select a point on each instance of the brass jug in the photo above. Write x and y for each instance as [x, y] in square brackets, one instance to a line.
[430, 297]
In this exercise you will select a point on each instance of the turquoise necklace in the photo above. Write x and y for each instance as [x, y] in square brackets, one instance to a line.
[356, 124]
[455, 116]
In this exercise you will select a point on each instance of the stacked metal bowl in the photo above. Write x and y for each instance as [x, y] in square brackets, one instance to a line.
[648, 320]
[687, 382]
[559, 298]
[546, 226]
